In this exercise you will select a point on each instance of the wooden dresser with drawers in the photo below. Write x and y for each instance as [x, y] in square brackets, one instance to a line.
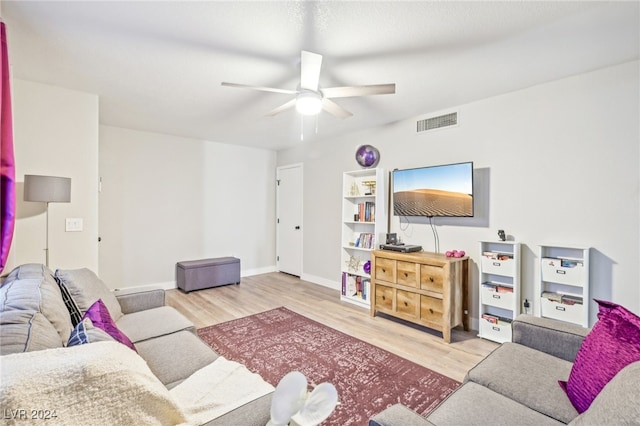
[424, 288]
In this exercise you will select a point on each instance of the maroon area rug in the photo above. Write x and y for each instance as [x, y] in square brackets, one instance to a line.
[368, 379]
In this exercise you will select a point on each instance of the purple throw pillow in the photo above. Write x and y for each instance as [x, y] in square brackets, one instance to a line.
[99, 316]
[612, 344]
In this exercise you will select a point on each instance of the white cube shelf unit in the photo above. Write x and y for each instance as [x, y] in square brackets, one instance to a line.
[499, 289]
[562, 290]
[364, 225]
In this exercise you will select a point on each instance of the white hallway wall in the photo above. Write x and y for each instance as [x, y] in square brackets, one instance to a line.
[165, 199]
[55, 133]
[557, 163]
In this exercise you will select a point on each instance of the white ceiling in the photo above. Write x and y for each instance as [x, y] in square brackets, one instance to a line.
[157, 65]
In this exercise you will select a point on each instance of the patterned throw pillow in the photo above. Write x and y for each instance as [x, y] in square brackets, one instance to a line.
[85, 288]
[85, 332]
[72, 307]
[612, 344]
[99, 316]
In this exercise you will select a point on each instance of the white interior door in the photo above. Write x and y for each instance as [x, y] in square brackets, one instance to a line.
[289, 219]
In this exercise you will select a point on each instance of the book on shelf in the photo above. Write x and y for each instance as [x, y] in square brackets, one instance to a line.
[348, 284]
[571, 263]
[498, 288]
[563, 262]
[497, 255]
[565, 299]
[367, 212]
[495, 319]
[364, 240]
[366, 287]
[490, 318]
[355, 286]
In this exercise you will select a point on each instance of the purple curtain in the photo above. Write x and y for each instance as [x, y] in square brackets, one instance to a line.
[7, 163]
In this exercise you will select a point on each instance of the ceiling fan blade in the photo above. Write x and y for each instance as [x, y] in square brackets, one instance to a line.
[349, 91]
[310, 64]
[261, 88]
[281, 108]
[335, 109]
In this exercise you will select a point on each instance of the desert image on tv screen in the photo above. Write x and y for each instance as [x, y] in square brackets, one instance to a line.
[434, 191]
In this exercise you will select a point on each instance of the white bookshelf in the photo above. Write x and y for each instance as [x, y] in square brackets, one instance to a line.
[498, 289]
[562, 290]
[362, 234]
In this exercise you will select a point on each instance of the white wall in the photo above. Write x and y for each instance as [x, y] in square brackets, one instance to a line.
[166, 199]
[557, 163]
[56, 133]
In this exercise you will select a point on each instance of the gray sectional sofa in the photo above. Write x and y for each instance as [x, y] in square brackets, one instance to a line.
[518, 384]
[35, 316]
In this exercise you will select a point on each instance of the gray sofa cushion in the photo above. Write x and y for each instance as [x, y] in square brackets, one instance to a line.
[557, 338]
[31, 287]
[85, 287]
[617, 403]
[140, 301]
[473, 404]
[398, 414]
[527, 376]
[25, 331]
[143, 325]
[174, 357]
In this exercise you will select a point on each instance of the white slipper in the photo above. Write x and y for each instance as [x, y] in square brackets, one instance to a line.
[288, 398]
[318, 406]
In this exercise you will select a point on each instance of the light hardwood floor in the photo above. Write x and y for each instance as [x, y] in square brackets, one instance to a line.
[259, 293]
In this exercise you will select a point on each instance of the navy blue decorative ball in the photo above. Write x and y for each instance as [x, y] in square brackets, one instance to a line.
[367, 156]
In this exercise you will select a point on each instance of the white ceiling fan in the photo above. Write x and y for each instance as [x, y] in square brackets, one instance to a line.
[310, 99]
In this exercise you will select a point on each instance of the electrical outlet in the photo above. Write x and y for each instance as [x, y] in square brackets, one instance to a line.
[73, 224]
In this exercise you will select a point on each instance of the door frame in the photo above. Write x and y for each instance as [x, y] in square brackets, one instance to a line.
[278, 169]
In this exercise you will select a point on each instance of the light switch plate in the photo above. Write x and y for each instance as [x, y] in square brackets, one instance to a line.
[73, 224]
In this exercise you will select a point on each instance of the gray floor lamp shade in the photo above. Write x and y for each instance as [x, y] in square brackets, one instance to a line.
[47, 189]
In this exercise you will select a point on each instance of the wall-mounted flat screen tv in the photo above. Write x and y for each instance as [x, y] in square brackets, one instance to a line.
[444, 190]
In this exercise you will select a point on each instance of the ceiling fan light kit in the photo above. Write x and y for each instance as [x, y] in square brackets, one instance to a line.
[310, 100]
[309, 103]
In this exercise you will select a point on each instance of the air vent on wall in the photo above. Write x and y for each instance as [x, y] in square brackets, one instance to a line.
[437, 122]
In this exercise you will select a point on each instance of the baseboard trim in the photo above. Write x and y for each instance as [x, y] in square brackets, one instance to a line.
[258, 271]
[169, 285]
[321, 281]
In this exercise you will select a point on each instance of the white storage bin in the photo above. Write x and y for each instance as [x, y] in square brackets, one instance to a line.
[553, 271]
[500, 332]
[497, 266]
[561, 311]
[493, 298]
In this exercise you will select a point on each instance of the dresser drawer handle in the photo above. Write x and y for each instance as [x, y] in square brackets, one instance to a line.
[384, 270]
[431, 279]
[406, 275]
[406, 304]
[384, 298]
[430, 310]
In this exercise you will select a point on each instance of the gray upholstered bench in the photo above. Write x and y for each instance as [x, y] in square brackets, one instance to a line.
[207, 273]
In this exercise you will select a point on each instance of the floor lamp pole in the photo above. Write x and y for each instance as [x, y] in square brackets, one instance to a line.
[46, 250]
